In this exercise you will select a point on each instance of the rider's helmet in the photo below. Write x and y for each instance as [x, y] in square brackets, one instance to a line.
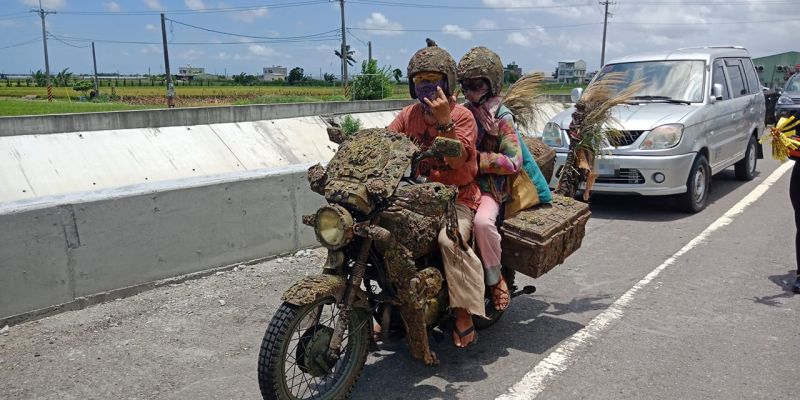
[432, 59]
[480, 62]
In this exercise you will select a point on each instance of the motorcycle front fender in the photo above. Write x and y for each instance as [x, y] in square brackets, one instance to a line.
[314, 287]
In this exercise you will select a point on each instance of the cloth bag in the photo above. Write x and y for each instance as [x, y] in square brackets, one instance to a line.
[527, 187]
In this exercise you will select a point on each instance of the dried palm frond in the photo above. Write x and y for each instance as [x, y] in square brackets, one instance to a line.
[592, 130]
[594, 120]
[783, 137]
[524, 98]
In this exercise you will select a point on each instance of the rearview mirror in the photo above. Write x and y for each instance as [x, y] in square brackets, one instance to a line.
[716, 92]
[445, 147]
[575, 94]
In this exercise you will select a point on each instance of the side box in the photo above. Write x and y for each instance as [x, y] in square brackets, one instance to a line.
[538, 239]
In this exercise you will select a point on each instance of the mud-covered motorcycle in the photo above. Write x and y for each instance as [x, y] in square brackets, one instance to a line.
[380, 227]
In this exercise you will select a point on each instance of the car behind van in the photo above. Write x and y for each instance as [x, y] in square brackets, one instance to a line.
[699, 111]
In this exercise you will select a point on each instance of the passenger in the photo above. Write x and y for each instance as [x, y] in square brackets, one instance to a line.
[432, 79]
[480, 73]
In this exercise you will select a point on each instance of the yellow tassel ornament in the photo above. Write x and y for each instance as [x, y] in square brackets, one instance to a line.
[784, 138]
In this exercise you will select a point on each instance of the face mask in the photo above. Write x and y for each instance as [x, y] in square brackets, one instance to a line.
[475, 96]
[427, 90]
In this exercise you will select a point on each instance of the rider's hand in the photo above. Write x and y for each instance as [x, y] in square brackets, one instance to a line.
[440, 106]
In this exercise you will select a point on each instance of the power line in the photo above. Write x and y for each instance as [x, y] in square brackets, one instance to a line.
[705, 23]
[462, 7]
[204, 11]
[83, 39]
[29, 41]
[251, 36]
[524, 28]
[50, 35]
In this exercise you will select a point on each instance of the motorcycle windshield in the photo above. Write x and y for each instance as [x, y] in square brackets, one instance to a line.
[367, 166]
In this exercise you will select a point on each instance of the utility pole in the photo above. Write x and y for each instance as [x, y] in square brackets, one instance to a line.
[369, 45]
[344, 46]
[170, 87]
[43, 13]
[96, 82]
[605, 26]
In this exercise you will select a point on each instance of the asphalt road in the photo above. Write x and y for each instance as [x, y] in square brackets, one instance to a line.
[716, 320]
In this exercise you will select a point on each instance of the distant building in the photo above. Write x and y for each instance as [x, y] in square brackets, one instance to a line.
[589, 75]
[274, 73]
[189, 72]
[512, 72]
[572, 71]
[775, 70]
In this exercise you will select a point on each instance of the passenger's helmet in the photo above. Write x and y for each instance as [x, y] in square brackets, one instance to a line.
[480, 62]
[432, 59]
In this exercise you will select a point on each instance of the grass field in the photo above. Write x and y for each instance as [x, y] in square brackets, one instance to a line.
[143, 97]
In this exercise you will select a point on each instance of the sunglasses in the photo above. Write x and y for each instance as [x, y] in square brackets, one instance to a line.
[472, 85]
[427, 77]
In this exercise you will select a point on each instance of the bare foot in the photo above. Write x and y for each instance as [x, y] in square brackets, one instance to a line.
[464, 331]
[500, 295]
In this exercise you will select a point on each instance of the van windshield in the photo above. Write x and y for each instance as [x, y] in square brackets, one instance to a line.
[679, 80]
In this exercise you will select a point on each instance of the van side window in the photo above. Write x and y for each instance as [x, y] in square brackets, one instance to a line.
[752, 76]
[738, 86]
[718, 76]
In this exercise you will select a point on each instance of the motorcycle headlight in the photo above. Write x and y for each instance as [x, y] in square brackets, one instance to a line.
[663, 137]
[334, 226]
[785, 100]
[553, 136]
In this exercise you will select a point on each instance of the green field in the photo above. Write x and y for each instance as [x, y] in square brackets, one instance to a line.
[144, 97]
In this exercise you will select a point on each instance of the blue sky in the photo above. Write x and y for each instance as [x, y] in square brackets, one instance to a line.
[536, 34]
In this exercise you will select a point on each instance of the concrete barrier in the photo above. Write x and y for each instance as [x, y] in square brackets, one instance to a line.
[68, 251]
[85, 122]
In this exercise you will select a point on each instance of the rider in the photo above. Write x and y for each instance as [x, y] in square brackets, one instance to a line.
[431, 80]
[480, 73]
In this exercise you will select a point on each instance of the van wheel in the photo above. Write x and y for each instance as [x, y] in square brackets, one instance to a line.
[746, 168]
[697, 186]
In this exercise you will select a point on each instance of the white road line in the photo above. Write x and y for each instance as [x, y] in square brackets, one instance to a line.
[534, 382]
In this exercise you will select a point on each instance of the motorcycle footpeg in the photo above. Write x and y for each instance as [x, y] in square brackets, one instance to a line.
[525, 290]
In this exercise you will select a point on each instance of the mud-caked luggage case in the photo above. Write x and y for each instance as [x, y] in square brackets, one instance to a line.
[539, 238]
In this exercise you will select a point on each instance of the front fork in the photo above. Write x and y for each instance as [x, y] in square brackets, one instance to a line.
[357, 276]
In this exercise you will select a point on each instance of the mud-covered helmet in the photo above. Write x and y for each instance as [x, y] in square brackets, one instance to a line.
[432, 59]
[480, 62]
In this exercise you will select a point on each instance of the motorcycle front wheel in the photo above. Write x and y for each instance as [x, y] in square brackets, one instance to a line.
[293, 363]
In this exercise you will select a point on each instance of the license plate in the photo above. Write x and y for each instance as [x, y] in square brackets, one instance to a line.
[605, 167]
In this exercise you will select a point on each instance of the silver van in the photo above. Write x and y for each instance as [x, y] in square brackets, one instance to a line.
[700, 110]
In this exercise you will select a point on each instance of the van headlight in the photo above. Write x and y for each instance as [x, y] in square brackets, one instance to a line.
[553, 136]
[784, 100]
[334, 226]
[663, 137]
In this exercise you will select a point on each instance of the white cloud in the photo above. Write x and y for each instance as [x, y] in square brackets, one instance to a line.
[8, 24]
[196, 5]
[223, 56]
[457, 31]
[518, 39]
[484, 23]
[154, 5]
[263, 51]
[150, 27]
[251, 15]
[539, 6]
[191, 54]
[46, 4]
[381, 25]
[112, 6]
[150, 49]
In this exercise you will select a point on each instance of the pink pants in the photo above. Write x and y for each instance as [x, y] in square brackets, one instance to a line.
[488, 238]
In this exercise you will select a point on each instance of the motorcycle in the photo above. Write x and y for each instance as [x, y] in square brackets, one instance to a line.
[380, 227]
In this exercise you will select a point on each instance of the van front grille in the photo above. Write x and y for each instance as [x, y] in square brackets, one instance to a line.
[626, 138]
[622, 176]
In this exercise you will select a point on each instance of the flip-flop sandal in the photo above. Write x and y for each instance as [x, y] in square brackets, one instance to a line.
[502, 295]
[466, 332]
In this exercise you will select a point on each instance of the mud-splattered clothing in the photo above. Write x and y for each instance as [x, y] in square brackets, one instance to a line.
[499, 154]
[411, 122]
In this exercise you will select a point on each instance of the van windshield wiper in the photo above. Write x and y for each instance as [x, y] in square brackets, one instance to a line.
[662, 98]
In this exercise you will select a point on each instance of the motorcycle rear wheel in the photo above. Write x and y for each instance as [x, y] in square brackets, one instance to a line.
[488, 301]
[292, 363]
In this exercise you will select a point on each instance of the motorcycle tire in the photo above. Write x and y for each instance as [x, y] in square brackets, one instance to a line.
[292, 363]
[488, 301]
